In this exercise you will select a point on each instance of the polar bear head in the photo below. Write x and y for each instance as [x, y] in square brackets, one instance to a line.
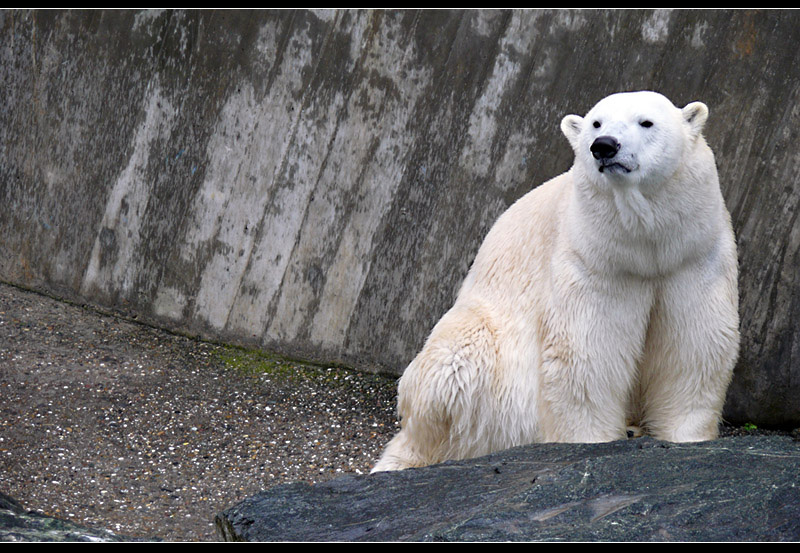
[634, 139]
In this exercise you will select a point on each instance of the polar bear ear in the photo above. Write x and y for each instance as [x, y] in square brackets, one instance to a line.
[571, 126]
[695, 115]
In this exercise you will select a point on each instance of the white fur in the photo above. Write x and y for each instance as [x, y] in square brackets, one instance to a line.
[598, 300]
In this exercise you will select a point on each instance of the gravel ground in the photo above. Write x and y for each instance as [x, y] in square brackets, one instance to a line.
[116, 425]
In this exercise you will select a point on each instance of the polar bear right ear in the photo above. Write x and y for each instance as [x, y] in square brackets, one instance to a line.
[571, 126]
[695, 114]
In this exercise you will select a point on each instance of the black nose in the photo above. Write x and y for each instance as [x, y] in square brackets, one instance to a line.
[604, 147]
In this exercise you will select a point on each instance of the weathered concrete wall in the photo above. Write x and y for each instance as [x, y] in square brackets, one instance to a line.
[318, 182]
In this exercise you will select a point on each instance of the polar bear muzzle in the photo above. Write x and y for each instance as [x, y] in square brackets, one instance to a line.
[604, 149]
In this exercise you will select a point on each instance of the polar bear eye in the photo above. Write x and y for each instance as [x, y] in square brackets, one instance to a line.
[646, 124]
[596, 124]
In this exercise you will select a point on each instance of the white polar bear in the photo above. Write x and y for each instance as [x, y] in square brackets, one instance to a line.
[605, 297]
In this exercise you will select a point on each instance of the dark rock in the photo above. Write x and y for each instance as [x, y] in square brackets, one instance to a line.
[732, 489]
[18, 524]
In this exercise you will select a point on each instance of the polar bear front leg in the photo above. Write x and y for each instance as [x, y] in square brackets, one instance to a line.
[400, 453]
[445, 397]
[592, 339]
[691, 349]
[569, 409]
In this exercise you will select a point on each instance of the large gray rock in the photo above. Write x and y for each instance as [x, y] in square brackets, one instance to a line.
[318, 182]
[732, 489]
[18, 524]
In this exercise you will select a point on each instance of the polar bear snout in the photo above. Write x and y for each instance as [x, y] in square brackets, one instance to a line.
[604, 147]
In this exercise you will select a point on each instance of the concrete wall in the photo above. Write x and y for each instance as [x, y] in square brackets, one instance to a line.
[319, 182]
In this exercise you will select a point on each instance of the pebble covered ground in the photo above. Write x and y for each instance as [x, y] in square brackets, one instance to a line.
[119, 426]
[116, 425]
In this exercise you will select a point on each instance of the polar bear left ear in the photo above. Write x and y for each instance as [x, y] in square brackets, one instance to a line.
[695, 115]
[571, 126]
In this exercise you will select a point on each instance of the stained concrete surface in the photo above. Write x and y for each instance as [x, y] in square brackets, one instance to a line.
[318, 181]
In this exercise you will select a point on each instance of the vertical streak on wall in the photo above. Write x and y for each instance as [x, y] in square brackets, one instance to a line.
[294, 184]
[247, 150]
[114, 263]
[477, 158]
[376, 133]
[316, 156]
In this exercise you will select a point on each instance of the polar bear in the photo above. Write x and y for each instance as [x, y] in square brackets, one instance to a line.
[606, 297]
